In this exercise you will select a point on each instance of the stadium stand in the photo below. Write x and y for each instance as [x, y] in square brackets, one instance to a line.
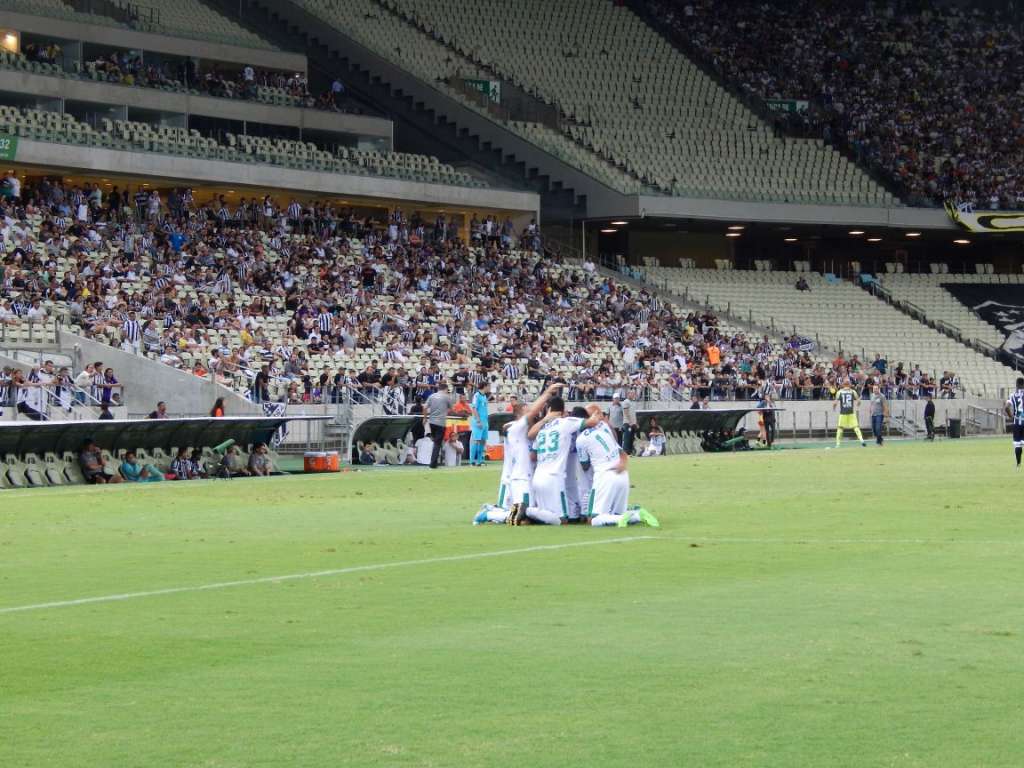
[913, 88]
[195, 19]
[278, 88]
[635, 113]
[328, 303]
[840, 316]
[925, 291]
[143, 137]
[57, 9]
[181, 18]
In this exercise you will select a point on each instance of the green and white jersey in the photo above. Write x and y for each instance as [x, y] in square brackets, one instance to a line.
[847, 398]
[553, 445]
[597, 445]
[518, 464]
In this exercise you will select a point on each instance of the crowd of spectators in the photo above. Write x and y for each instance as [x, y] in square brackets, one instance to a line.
[37, 393]
[928, 93]
[131, 68]
[283, 312]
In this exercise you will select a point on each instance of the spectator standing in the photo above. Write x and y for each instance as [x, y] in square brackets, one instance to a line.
[436, 417]
[879, 413]
[929, 418]
[479, 425]
[83, 381]
[217, 411]
[616, 417]
[629, 425]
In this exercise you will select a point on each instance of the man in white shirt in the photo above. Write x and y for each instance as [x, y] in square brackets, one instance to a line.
[517, 467]
[608, 503]
[528, 498]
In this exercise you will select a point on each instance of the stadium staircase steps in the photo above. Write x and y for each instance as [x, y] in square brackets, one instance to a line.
[951, 331]
[430, 126]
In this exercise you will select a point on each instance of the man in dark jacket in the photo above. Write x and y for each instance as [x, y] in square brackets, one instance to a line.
[929, 418]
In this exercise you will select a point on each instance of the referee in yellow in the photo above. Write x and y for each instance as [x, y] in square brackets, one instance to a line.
[847, 399]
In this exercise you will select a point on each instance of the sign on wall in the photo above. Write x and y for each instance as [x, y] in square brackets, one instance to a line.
[489, 88]
[8, 146]
[787, 105]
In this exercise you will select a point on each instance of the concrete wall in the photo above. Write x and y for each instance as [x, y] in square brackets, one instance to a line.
[123, 37]
[801, 416]
[792, 213]
[147, 381]
[184, 170]
[163, 101]
[670, 247]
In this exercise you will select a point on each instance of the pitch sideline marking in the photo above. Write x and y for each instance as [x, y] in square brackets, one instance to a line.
[826, 542]
[315, 574]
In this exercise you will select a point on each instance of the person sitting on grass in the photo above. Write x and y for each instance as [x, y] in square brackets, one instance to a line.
[367, 455]
[198, 464]
[181, 467]
[656, 436]
[259, 461]
[231, 464]
[134, 472]
[90, 459]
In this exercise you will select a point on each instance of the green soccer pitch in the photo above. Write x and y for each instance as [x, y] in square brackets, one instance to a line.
[859, 607]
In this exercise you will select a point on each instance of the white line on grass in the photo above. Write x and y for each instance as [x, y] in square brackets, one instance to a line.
[316, 574]
[825, 542]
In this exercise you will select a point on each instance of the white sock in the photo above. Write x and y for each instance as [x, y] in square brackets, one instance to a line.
[543, 516]
[608, 519]
[497, 515]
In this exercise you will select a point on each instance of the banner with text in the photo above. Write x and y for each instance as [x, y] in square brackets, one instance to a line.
[787, 105]
[985, 221]
[489, 88]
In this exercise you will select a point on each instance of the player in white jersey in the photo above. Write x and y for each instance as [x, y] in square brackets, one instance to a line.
[553, 439]
[577, 481]
[599, 453]
[517, 467]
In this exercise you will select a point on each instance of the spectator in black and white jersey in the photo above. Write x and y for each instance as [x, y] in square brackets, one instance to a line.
[131, 334]
[295, 215]
[324, 320]
[510, 371]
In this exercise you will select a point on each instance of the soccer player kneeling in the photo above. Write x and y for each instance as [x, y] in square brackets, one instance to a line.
[599, 453]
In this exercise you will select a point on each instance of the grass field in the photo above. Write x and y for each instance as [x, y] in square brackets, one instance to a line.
[860, 607]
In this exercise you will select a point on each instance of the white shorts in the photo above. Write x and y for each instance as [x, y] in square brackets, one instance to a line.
[548, 493]
[610, 494]
[513, 491]
[584, 481]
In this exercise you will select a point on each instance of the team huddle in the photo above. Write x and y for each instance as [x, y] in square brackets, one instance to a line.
[562, 468]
